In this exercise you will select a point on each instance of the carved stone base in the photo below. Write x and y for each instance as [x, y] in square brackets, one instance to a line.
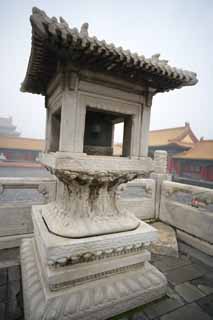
[56, 251]
[87, 192]
[86, 204]
[98, 299]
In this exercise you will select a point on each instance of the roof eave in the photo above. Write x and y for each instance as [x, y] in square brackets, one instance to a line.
[48, 31]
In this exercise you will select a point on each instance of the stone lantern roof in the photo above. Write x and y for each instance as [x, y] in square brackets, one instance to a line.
[55, 43]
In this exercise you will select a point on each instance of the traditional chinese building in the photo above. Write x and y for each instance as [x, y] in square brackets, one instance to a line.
[195, 164]
[20, 149]
[15, 148]
[7, 128]
[172, 140]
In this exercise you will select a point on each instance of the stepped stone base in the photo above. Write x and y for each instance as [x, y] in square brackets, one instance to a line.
[98, 299]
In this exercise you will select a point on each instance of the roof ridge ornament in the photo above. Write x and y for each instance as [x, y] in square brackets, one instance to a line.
[155, 58]
[54, 19]
[64, 22]
[84, 29]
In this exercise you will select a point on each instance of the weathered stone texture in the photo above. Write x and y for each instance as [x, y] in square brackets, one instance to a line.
[138, 197]
[195, 242]
[160, 161]
[167, 242]
[178, 211]
[95, 300]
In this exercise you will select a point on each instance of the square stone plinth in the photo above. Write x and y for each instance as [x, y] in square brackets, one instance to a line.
[66, 262]
[98, 299]
[61, 250]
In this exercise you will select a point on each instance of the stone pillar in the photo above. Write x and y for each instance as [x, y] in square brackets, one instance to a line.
[48, 130]
[72, 118]
[127, 137]
[145, 131]
[52, 132]
[159, 175]
[68, 113]
[145, 122]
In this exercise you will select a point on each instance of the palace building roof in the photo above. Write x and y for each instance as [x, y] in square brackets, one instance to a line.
[19, 143]
[202, 150]
[54, 42]
[181, 136]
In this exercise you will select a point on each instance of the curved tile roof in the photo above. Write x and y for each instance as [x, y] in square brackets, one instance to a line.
[20, 143]
[54, 41]
[175, 135]
[202, 150]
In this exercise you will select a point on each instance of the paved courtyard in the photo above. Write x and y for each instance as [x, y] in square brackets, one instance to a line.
[190, 290]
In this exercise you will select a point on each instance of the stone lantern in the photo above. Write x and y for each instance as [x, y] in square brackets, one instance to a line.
[88, 258]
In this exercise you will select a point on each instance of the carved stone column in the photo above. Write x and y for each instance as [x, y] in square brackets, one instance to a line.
[145, 121]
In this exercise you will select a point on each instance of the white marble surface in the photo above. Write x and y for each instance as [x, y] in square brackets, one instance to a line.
[100, 299]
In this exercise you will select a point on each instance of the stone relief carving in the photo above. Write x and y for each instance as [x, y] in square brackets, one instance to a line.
[18, 190]
[136, 191]
[84, 304]
[98, 255]
[88, 205]
[202, 200]
[96, 276]
[43, 189]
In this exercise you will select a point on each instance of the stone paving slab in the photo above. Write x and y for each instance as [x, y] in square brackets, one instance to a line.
[170, 263]
[11, 304]
[3, 276]
[206, 280]
[136, 314]
[188, 312]
[206, 304]
[162, 306]
[3, 293]
[189, 292]
[205, 289]
[186, 273]
[195, 253]
[139, 316]
[155, 257]
[2, 310]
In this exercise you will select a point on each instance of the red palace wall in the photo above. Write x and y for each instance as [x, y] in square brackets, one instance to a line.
[190, 169]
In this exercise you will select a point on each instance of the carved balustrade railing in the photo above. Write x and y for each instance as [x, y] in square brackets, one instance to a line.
[17, 195]
[138, 196]
[188, 208]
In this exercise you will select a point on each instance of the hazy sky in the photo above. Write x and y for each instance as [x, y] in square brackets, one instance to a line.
[181, 30]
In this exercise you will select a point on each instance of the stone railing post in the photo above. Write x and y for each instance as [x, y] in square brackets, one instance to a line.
[159, 175]
[160, 161]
